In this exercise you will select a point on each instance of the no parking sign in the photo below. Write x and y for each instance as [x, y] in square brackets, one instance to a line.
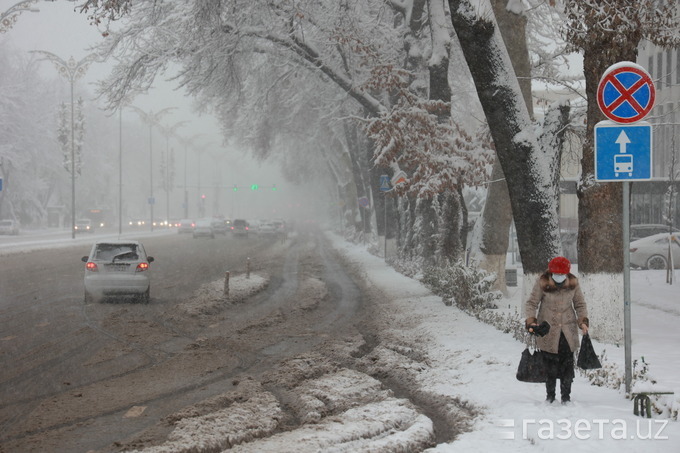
[626, 92]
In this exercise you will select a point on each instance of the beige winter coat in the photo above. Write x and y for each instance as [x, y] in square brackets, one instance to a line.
[563, 307]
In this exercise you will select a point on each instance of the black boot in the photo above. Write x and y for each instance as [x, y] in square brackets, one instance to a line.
[565, 390]
[550, 389]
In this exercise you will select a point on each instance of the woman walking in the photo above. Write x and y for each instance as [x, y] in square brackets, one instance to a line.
[557, 299]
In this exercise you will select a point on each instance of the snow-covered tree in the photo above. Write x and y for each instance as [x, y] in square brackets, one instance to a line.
[29, 160]
[279, 73]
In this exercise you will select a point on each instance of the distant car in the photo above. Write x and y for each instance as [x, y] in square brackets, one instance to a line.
[240, 227]
[652, 252]
[644, 230]
[136, 223]
[117, 268]
[186, 226]
[84, 226]
[220, 226]
[280, 225]
[9, 226]
[203, 227]
[267, 228]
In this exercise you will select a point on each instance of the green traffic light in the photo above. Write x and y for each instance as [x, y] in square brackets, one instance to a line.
[254, 187]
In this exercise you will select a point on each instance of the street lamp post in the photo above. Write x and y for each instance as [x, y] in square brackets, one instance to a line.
[168, 131]
[201, 206]
[73, 71]
[151, 119]
[186, 142]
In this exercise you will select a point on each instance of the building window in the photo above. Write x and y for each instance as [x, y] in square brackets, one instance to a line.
[677, 65]
[659, 70]
[650, 66]
[669, 65]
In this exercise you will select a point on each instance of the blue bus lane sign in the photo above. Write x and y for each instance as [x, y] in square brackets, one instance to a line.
[623, 152]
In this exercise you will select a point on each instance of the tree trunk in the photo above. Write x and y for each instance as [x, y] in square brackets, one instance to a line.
[533, 196]
[497, 215]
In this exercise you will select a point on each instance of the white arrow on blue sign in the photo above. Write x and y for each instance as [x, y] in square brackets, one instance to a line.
[623, 152]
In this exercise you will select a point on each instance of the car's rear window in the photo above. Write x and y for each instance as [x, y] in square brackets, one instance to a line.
[239, 222]
[110, 251]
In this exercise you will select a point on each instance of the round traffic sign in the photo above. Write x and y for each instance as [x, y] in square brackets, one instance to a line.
[626, 93]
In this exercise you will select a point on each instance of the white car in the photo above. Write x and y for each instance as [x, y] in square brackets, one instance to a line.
[652, 252]
[267, 228]
[204, 227]
[186, 226]
[117, 268]
[9, 227]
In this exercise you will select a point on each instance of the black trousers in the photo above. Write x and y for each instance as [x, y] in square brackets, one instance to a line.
[559, 366]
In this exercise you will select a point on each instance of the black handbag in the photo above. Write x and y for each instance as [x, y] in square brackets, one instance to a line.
[587, 359]
[531, 366]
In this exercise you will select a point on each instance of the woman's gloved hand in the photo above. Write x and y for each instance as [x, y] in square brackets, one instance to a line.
[541, 329]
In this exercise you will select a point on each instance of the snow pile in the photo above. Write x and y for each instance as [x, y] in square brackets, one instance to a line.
[210, 298]
[389, 425]
[332, 393]
[251, 412]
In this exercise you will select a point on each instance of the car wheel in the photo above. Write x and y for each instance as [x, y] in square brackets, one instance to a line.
[656, 262]
[146, 296]
[88, 297]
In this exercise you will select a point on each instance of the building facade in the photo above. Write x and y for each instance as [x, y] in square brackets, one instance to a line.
[655, 201]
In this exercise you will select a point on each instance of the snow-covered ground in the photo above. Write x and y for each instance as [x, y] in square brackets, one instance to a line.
[475, 362]
[451, 358]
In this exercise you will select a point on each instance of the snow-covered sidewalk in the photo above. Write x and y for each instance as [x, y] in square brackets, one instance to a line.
[476, 363]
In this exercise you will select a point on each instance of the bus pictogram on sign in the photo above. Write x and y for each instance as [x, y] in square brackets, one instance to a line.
[626, 93]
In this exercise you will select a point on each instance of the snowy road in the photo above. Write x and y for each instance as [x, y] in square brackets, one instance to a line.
[290, 362]
[324, 352]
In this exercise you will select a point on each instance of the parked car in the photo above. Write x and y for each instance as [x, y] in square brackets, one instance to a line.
[117, 268]
[9, 226]
[204, 227]
[84, 226]
[240, 227]
[644, 230]
[652, 252]
[220, 226]
[186, 226]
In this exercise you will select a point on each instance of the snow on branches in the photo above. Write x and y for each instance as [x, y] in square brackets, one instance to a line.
[620, 22]
[418, 136]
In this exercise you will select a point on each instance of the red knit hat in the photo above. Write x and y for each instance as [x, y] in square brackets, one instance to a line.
[559, 265]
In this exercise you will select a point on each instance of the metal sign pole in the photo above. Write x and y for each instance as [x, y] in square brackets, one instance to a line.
[626, 284]
[385, 224]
